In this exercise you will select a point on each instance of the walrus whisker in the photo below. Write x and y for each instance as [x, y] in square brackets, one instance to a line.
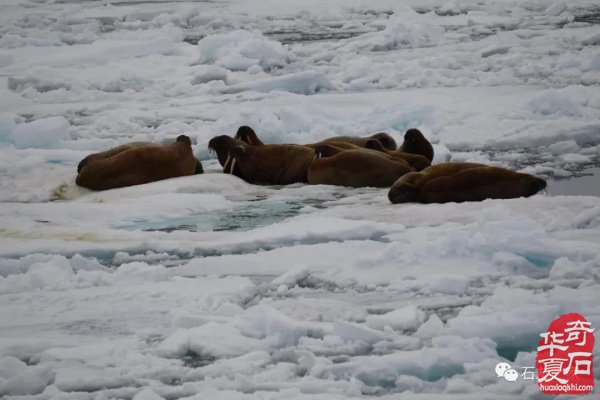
[232, 166]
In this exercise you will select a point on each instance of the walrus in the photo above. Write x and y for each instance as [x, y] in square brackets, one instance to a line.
[417, 161]
[123, 147]
[272, 164]
[221, 145]
[354, 168]
[385, 139]
[461, 181]
[416, 143]
[247, 135]
[137, 163]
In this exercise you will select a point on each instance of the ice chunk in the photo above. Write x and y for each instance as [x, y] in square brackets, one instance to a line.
[431, 328]
[406, 318]
[7, 126]
[575, 158]
[91, 379]
[592, 40]
[141, 272]
[565, 146]
[211, 339]
[290, 278]
[399, 33]
[41, 133]
[278, 330]
[147, 394]
[32, 380]
[351, 331]
[11, 366]
[555, 9]
[239, 50]
[306, 82]
[208, 73]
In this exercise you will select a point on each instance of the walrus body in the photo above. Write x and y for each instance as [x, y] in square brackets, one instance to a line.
[459, 182]
[273, 164]
[416, 161]
[416, 143]
[137, 163]
[354, 168]
[385, 139]
[110, 153]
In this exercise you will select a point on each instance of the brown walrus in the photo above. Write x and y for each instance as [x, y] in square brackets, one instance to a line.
[247, 135]
[123, 147]
[385, 139]
[458, 182]
[221, 145]
[354, 168]
[137, 163]
[417, 161]
[416, 143]
[272, 164]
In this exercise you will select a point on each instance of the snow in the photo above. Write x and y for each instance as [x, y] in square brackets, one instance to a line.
[209, 287]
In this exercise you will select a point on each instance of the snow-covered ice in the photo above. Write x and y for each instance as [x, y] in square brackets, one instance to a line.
[208, 287]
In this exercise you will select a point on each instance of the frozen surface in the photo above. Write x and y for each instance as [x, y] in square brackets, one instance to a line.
[208, 287]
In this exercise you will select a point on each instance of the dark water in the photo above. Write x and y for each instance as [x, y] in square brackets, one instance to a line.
[588, 184]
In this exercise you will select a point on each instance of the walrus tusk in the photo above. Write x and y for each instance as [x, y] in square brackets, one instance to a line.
[232, 166]
[226, 163]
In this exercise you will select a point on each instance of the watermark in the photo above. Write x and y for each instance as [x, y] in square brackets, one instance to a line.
[564, 358]
[504, 370]
[564, 362]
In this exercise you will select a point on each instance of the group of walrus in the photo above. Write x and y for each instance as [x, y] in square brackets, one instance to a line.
[351, 161]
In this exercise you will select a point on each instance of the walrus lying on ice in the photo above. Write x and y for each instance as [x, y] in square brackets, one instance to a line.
[281, 164]
[137, 163]
[461, 181]
[354, 168]
[267, 164]
[384, 140]
[418, 154]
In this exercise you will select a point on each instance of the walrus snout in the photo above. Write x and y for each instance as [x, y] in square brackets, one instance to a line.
[403, 193]
[220, 142]
[536, 185]
[82, 164]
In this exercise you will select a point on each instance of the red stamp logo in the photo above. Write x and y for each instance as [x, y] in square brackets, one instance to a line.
[564, 356]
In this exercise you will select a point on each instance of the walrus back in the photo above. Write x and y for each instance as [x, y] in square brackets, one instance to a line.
[138, 165]
[477, 184]
[356, 168]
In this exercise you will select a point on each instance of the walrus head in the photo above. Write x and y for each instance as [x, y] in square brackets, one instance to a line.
[184, 139]
[416, 143]
[221, 145]
[386, 140]
[535, 185]
[403, 192]
[247, 135]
